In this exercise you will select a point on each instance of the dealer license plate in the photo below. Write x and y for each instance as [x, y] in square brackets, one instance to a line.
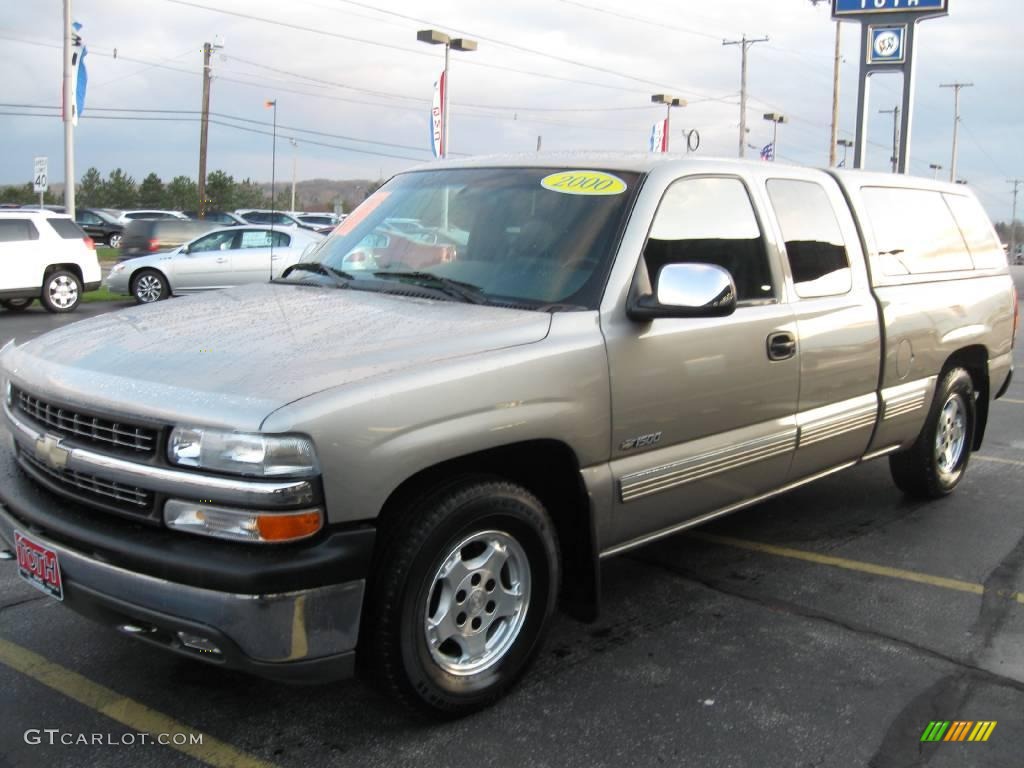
[38, 565]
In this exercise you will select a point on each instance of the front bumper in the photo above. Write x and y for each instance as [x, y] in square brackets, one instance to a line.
[288, 612]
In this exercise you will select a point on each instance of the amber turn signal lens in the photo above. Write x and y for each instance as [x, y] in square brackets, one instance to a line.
[284, 527]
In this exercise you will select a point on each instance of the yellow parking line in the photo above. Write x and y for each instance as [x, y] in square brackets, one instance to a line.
[122, 709]
[997, 460]
[853, 565]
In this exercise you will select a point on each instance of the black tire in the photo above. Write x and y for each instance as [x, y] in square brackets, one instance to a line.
[114, 239]
[409, 588]
[62, 291]
[935, 464]
[16, 305]
[149, 286]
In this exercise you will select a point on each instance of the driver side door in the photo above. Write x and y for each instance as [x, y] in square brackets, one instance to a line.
[703, 408]
[204, 263]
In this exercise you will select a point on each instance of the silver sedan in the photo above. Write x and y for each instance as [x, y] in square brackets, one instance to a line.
[218, 259]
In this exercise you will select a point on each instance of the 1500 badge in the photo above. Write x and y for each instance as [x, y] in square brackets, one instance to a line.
[644, 441]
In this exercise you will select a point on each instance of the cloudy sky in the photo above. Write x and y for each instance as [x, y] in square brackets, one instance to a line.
[353, 86]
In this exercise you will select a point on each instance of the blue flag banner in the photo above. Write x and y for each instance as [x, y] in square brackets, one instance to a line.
[79, 75]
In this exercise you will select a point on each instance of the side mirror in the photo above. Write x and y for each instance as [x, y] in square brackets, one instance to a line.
[687, 290]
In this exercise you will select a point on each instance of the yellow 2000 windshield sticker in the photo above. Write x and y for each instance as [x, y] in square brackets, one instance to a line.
[584, 183]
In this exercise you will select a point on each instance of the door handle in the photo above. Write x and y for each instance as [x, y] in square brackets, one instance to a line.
[221, 260]
[781, 345]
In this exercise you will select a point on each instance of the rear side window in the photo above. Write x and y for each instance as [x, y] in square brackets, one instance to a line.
[17, 230]
[814, 244]
[915, 233]
[985, 248]
[711, 221]
[66, 228]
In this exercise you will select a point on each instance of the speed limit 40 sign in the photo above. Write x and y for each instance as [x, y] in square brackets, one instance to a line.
[39, 175]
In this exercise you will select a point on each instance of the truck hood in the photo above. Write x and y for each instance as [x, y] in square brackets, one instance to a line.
[231, 357]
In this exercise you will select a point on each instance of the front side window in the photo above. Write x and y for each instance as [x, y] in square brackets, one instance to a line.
[531, 237]
[914, 232]
[711, 221]
[216, 241]
[814, 244]
[89, 218]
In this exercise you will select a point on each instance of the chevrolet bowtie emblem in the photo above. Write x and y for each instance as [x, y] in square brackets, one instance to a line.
[50, 452]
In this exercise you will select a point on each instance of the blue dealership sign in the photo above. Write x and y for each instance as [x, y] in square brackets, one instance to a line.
[867, 7]
[887, 44]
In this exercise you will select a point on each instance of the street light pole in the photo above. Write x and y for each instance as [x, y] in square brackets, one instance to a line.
[845, 144]
[956, 123]
[669, 102]
[435, 37]
[1013, 220]
[775, 119]
[69, 128]
[895, 112]
[273, 180]
[745, 44]
[295, 159]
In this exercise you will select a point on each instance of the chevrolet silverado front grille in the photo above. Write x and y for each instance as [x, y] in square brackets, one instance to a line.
[90, 488]
[70, 423]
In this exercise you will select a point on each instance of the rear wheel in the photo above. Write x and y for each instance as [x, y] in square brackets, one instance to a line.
[16, 305]
[62, 290]
[462, 595]
[149, 286]
[935, 464]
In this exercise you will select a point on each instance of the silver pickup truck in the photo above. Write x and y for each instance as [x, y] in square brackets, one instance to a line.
[491, 376]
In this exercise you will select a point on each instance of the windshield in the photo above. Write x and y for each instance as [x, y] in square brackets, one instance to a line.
[529, 237]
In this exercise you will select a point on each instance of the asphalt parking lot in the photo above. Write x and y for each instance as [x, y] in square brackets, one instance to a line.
[827, 627]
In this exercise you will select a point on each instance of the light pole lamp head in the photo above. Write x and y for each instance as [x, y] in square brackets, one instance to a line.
[463, 44]
[433, 37]
[660, 98]
[844, 143]
[775, 117]
[934, 167]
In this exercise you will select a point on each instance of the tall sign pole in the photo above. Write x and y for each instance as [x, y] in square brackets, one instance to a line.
[888, 37]
[69, 101]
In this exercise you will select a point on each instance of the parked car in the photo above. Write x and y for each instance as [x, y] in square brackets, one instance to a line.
[151, 235]
[47, 207]
[277, 218]
[317, 219]
[413, 469]
[219, 259]
[45, 256]
[223, 218]
[129, 216]
[100, 226]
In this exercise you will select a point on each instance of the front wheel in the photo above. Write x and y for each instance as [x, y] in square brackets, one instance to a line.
[62, 290]
[463, 593]
[935, 464]
[149, 286]
[16, 305]
[114, 241]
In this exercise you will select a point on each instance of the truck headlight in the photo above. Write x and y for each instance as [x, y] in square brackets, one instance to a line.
[242, 453]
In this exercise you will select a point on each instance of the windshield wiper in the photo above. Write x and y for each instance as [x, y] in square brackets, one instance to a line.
[323, 269]
[467, 292]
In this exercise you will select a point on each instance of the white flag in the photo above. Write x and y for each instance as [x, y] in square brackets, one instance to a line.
[658, 137]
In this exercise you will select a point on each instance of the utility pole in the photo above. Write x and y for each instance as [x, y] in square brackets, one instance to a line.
[835, 90]
[956, 122]
[539, 141]
[69, 129]
[1013, 220]
[745, 44]
[295, 162]
[204, 127]
[895, 112]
